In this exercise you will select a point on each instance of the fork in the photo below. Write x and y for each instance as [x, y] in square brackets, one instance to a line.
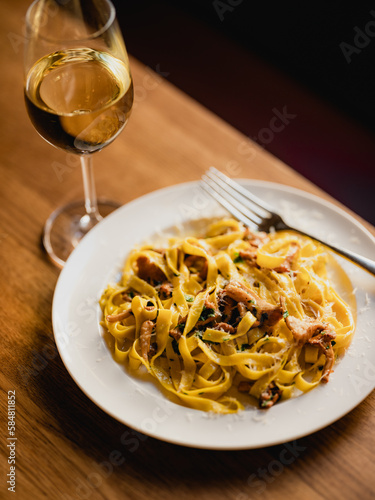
[258, 215]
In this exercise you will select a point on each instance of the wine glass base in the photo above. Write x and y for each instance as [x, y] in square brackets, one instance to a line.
[67, 225]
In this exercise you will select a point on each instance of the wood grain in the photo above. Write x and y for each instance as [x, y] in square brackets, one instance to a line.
[67, 447]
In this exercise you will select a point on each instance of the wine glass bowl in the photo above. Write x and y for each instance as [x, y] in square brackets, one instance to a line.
[79, 96]
[79, 100]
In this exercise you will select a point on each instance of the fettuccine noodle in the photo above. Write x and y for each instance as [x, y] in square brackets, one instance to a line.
[232, 316]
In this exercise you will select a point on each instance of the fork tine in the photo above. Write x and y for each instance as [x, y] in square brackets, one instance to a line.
[234, 199]
[212, 190]
[239, 200]
[266, 209]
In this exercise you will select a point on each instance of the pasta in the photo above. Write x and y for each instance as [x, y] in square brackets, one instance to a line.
[230, 318]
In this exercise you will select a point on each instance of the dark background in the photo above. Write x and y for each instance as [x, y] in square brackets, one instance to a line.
[244, 61]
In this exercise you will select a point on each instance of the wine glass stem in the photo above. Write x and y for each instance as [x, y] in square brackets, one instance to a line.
[92, 216]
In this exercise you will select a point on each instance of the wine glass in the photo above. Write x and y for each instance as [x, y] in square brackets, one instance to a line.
[79, 96]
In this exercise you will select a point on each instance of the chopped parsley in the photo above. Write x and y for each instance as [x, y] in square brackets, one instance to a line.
[199, 334]
[237, 258]
[207, 312]
[245, 346]
[286, 314]
[189, 298]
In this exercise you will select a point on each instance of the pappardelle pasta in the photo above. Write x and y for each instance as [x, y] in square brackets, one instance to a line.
[229, 318]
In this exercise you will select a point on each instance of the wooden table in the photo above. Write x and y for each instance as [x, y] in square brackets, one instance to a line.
[67, 448]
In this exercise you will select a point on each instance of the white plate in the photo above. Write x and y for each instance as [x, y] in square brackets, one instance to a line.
[140, 404]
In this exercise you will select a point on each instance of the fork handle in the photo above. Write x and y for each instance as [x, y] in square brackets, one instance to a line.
[364, 262]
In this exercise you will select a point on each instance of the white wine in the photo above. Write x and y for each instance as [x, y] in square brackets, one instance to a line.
[79, 100]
